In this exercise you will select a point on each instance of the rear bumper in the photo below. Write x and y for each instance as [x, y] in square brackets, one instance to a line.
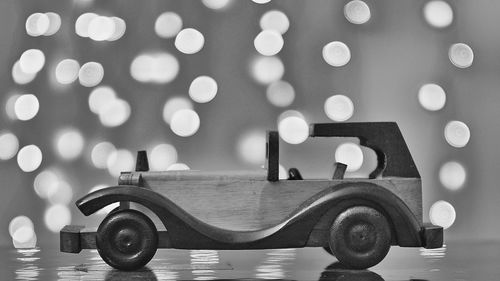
[74, 238]
[432, 236]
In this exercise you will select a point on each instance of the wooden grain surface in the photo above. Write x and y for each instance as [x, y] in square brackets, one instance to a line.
[250, 203]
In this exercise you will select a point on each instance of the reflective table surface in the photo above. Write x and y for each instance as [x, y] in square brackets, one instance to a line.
[456, 261]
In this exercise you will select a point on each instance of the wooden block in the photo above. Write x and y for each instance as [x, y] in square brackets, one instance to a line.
[272, 155]
[142, 164]
[339, 170]
[70, 239]
[432, 236]
[294, 174]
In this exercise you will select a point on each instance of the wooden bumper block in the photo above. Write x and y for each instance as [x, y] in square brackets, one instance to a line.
[70, 239]
[432, 236]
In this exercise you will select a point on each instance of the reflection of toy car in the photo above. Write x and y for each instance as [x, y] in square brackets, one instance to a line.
[356, 220]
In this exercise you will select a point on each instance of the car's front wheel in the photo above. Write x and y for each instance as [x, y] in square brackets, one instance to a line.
[360, 237]
[127, 239]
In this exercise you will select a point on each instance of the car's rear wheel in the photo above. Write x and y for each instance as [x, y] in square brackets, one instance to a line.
[360, 237]
[127, 239]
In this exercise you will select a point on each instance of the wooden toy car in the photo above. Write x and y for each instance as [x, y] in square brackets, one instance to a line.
[356, 220]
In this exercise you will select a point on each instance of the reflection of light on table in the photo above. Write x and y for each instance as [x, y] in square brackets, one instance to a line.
[201, 262]
[273, 265]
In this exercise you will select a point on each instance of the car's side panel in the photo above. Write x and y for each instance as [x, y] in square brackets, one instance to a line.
[187, 232]
[237, 203]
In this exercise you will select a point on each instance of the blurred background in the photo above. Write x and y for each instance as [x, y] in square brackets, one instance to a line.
[85, 84]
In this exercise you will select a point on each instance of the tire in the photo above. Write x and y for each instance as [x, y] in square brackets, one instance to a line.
[127, 239]
[360, 237]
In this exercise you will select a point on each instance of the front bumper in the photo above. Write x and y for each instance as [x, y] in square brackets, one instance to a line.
[432, 236]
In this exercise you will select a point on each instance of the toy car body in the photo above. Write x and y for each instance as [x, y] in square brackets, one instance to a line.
[356, 220]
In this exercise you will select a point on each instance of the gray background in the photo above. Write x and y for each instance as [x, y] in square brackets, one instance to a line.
[392, 56]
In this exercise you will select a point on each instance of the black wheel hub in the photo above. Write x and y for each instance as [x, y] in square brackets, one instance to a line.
[127, 241]
[361, 237]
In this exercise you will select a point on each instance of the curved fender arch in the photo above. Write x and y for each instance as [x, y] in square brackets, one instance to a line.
[405, 226]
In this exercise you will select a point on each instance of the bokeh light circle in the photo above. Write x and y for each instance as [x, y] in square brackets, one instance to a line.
[275, 20]
[10, 104]
[457, 133]
[203, 89]
[268, 42]
[189, 41]
[357, 12]
[168, 24]
[21, 77]
[37, 24]
[461, 55]
[162, 156]
[115, 113]
[173, 105]
[290, 113]
[432, 97]
[141, 68]
[251, 147]
[29, 158]
[178, 167]
[55, 23]
[91, 74]
[18, 222]
[165, 68]
[24, 237]
[266, 70]
[156, 68]
[100, 97]
[443, 214]
[32, 61]
[67, 71]
[69, 144]
[216, 4]
[261, 1]
[438, 14]
[56, 217]
[46, 183]
[9, 144]
[280, 93]
[339, 108]
[62, 195]
[336, 53]
[119, 161]
[452, 175]
[293, 129]
[350, 154]
[282, 173]
[185, 122]
[120, 28]
[26, 107]
[100, 154]
[101, 28]
[82, 24]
